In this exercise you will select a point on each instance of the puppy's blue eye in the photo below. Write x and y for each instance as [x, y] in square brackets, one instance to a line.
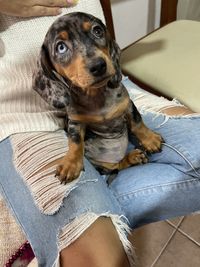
[61, 48]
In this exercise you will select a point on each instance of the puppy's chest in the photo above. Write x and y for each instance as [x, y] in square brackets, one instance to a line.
[106, 136]
[105, 106]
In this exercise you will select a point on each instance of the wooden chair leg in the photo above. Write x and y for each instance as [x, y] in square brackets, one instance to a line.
[168, 11]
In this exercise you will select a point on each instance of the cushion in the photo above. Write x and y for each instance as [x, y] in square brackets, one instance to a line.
[168, 60]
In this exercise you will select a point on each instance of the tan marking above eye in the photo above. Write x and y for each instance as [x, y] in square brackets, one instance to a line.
[86, 26]
[64, 35]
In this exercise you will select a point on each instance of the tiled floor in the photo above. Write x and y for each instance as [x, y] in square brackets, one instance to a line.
[172, 243]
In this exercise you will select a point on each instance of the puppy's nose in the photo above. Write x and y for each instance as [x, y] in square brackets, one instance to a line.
[98, 67]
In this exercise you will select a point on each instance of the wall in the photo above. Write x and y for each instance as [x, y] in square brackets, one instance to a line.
[188, 9]
[134, 19]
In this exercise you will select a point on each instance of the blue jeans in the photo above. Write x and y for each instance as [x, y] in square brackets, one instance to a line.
[167, 186]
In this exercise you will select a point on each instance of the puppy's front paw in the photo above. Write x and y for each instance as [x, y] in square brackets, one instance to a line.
[68, 169]
[152, 142]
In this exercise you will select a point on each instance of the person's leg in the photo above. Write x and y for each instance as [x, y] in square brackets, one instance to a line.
[169, 185]
[155, 192]
[99, 242]
[89, 222]
[98, 246]
[177, 111]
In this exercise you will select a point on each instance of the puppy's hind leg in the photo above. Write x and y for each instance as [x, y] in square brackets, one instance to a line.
[134, 157]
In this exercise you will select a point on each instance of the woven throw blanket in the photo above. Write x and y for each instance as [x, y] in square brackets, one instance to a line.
[11, 235]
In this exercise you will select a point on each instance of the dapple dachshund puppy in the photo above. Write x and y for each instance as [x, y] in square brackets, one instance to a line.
[79, 71]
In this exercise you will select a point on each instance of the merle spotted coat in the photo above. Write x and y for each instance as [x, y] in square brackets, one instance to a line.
[79, 71]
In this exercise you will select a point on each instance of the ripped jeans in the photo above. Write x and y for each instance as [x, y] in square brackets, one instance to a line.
[52, 215]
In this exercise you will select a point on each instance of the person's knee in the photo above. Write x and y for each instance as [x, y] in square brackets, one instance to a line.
[98, 246]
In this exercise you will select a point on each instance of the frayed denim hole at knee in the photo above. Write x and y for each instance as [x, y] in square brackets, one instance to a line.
[34, 152]
[150, 103]
[70, 232]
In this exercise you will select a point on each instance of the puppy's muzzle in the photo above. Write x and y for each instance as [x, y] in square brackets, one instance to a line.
[98, 67]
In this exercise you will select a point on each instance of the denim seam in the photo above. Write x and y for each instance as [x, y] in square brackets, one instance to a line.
[184, 157]
[158, 186]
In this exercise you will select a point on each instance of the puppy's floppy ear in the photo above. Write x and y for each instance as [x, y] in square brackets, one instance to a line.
[48, 83]
[115, 53]
[46, 63]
